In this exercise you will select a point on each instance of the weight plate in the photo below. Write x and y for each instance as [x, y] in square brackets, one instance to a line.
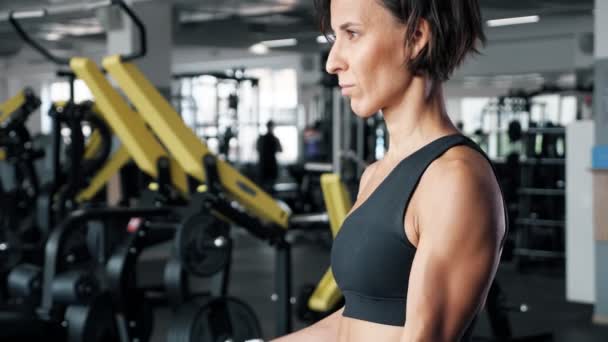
[203, 244]
[216, 320]
[91, 323]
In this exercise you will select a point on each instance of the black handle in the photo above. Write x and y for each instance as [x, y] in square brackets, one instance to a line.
[143, 40]
[14, 17]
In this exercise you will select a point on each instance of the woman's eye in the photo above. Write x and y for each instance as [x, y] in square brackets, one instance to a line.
[351, 34]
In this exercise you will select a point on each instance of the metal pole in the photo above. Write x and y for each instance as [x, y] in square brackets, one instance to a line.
[337, 129]
[360, 144]
[283, 288]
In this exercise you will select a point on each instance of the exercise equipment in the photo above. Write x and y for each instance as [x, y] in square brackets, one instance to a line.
[226, 193]
[203, 244]
[18, 235]
[316, 302]
[74, 297]
[215, 319]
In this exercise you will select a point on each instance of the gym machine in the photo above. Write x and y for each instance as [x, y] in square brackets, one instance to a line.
[224, 193]
[67, 293]
[21, 254]
[16, 201]
[79, 315]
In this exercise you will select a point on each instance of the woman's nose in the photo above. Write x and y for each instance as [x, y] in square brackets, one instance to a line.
[335, 62]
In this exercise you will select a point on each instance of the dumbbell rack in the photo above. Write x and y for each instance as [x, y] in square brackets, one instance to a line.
[540, 208]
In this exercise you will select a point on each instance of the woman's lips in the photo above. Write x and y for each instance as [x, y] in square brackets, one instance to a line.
[346, 88]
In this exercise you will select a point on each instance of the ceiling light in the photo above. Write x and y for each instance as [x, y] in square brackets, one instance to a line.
[53, 36]
[259, 49]
[280, 42]
[322, 40]
[513, 21]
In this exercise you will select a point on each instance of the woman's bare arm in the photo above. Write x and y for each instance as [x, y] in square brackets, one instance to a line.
[460, 230]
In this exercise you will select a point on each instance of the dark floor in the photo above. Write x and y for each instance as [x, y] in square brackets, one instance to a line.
[541, 290]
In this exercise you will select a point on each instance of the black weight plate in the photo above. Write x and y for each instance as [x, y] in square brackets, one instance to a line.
[203, 244]
[217, 320]
[229, 319]
[91, 323]
[182, 328]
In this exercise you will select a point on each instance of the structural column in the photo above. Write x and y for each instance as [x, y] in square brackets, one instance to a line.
[600, 161]
[123, 38]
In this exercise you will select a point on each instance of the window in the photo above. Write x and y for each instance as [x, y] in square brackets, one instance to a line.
[206, 104]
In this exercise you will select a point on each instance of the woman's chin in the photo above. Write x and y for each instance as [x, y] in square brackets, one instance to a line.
[362, 111]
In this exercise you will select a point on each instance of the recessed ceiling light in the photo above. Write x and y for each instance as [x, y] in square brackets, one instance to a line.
[513, 21]
[52, 36]
[259, 49]
[280, 42]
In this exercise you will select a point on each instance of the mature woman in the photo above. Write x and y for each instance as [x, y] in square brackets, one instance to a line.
[417, 254]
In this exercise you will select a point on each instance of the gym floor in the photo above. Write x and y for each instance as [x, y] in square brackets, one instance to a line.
[543, 290]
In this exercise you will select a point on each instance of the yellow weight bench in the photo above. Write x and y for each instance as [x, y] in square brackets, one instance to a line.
[187, 149]
[338, 204]
[11, 105]
[119, 159]
[93, 145]
[138, 142]
[18, 108]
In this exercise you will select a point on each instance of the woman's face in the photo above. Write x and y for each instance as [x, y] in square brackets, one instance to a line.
[368, 55]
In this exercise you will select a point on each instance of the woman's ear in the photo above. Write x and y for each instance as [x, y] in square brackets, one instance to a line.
[420, 39]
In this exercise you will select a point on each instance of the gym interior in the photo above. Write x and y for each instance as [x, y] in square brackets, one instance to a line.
[135, 204]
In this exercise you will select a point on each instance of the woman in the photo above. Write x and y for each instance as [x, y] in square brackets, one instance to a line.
[417, 254]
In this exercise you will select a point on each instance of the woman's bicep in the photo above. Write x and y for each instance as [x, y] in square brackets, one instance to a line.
[445, 294]
[456, 259]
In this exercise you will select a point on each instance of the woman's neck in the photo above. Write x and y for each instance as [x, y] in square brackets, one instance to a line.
[416, 119]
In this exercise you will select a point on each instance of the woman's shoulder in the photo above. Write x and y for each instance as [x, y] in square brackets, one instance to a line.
[465, 174]
[462, 161]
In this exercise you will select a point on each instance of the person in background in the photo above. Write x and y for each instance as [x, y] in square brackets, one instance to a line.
[268, 145]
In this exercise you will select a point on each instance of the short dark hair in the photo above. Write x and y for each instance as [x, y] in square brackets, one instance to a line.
[456, 28]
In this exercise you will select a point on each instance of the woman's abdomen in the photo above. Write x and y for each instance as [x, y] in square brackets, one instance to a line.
[354, 330]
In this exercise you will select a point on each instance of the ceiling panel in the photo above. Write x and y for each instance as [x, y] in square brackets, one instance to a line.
[244, 22]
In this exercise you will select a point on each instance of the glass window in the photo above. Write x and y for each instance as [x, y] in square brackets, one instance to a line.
[472, 111]
[206, 103]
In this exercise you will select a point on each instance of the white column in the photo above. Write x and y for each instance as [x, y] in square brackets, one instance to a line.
[600, 177]
[123, 38]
